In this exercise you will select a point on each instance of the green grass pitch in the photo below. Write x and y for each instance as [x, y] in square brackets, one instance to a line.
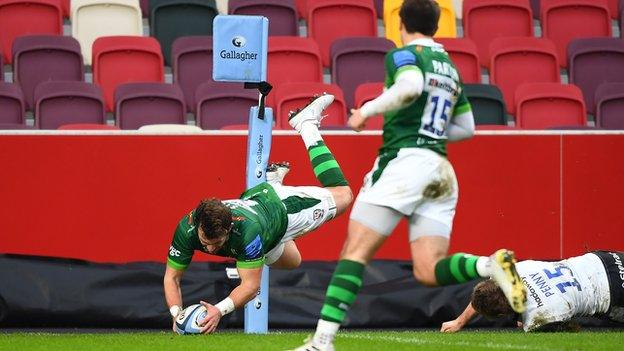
[349, 340]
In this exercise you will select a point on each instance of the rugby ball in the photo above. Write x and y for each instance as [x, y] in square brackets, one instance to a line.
[187, 322]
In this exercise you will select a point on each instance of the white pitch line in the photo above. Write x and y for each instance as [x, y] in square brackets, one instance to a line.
[413, 340]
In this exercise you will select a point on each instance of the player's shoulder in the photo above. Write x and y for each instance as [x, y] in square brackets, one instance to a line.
[186, 226]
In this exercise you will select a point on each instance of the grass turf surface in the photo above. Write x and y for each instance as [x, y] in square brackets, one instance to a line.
[349, 340]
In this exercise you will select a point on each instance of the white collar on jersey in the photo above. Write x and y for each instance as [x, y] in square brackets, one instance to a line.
[424, 42]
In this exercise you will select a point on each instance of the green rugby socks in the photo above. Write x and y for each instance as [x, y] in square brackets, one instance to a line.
[457, 268]
[325, 166]
[343, 288]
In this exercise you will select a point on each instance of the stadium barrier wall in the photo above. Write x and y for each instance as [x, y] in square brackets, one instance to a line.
[117, 198]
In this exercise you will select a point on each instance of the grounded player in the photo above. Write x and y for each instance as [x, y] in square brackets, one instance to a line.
[588, 285]
[259, 228]
[424, 107]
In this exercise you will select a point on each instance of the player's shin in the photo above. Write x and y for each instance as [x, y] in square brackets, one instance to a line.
[341, 293]
[460, 268]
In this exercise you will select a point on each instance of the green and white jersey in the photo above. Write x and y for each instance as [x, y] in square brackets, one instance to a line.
[423, 123]
[260, 222]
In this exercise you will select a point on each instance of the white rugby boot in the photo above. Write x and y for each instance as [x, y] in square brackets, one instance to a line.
[311, 345]
[503, 266]
[310, 112]
[276, 171]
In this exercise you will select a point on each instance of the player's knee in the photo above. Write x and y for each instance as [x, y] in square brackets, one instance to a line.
[343, 196]
[425, 275]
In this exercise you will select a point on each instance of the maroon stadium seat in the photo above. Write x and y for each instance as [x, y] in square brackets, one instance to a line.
[139, 104]
[192, 65]
[366, 92]
[358, 60]
[220, 104]
[565, 20]
[517, 60]
[592, 62]
[22, 17]
[12, 107]
[485, 20]
[289, 97]
[463, 53]
[610, 106]
[547, 105]
[282, 14]
[329, 20]
[40, 58]
[66, 102]
[124, 59]
[293, 59]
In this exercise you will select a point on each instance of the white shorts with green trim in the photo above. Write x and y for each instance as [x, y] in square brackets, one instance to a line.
[414, 181]
[308, 207]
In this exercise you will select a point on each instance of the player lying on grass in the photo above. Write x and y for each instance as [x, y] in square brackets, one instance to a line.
[261, 226]
[588, 285]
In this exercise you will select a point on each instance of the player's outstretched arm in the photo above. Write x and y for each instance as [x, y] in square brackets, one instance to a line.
[173, 293]
[458, 323]
[245, 292]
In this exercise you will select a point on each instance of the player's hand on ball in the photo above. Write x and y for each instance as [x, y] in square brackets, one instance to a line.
[356, 121]
[451, 327]
[210, 323]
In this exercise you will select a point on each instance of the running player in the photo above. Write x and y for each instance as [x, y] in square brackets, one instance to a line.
[588, 285]
[261, 226]
[424, 107]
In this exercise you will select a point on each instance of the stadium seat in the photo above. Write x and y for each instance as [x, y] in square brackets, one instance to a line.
[1, 67]
[68, 102]
[92, 19]
[289, 97]
[171, 19]
[379, 4]
[463, 53]
[144, 4]
[488, 105]
[485, 20]
[610, 106]
[40, 58]
[293, 59]
[517, 60]
[594, 61]
[547, 105]
[356, 18]
[282, 14]
[123, 59]
[366, 92]
[447, 27]
[192, 65]
[15, 126]
[302, 8]
[358, 60]
[565, 20]
[220, 104]
[87, 126]
[23, 17]
[65, 8]
[614, 8]
[12, 103]
[139, 104]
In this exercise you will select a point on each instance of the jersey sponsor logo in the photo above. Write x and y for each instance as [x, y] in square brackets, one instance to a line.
[403, 58]
[318, 213]
[254, 248]
[173, 252]
[533, 293]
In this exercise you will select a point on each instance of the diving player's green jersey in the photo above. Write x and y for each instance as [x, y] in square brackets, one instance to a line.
[259, 223]
[423, 123]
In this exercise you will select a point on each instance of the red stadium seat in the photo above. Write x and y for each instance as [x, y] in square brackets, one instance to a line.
[565, 20]
[329, 20]
[289, 97]
[464, 54]
[548, 105]
[485, 20]
[22, 17]
[124, 59]
[292, 60]
[366, 92]
[522, 60]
